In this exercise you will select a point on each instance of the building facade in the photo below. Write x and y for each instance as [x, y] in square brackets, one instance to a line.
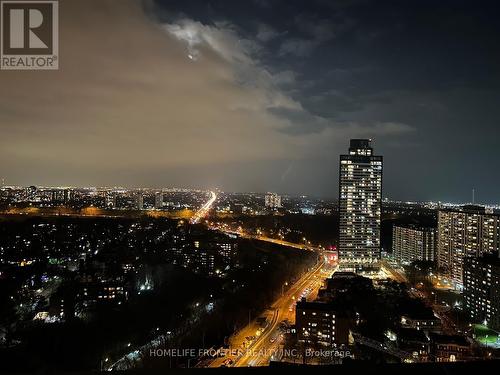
[360, 201]
[412, 243]
[139, 201]
[466, 232]
[272, 200]
[482, 289]
[158, 200]
[319, 324]
[450, 348]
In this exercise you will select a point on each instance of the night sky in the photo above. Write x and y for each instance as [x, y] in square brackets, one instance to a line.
[262, 96]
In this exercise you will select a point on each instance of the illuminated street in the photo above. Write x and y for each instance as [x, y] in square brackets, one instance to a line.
[258, 352]
[203, 211]
[260, 237]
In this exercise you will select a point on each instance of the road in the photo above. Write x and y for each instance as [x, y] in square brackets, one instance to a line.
[392, 271]
[266, 239]
[279, 242]
[271, 339]
[258, 352]
[203, 211]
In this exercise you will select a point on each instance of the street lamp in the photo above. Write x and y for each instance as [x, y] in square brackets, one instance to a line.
[283, 287]
[103, 361]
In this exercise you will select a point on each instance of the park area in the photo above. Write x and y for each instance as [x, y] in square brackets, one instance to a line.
[486, 336]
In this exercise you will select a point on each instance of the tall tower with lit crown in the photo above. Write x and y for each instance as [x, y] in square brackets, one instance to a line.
[360, 205]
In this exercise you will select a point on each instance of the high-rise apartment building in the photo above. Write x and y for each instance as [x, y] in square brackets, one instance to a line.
[272, 200]
[466, 232]
[482, 289]
[412, 243]
[360, 201]
[158, 200]
[139, 201]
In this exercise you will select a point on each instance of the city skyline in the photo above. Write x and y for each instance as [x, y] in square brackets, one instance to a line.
[333, 198]
[276, 95]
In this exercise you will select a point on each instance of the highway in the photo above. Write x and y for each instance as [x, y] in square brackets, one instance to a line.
[279, 242]
[254, 345]
[268, 343]
[265, 344]
[276, 241]
[203, 211]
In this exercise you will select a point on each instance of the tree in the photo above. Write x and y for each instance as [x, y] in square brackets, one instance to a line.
[8, 319]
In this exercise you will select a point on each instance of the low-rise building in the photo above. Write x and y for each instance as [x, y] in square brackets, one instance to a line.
[415, 342]
[321, 324]
[427, 322]
[418, 316]
[343, 282]
[450, 348]
[99, 293]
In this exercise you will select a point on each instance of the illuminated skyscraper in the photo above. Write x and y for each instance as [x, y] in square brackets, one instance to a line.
[360, 202]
